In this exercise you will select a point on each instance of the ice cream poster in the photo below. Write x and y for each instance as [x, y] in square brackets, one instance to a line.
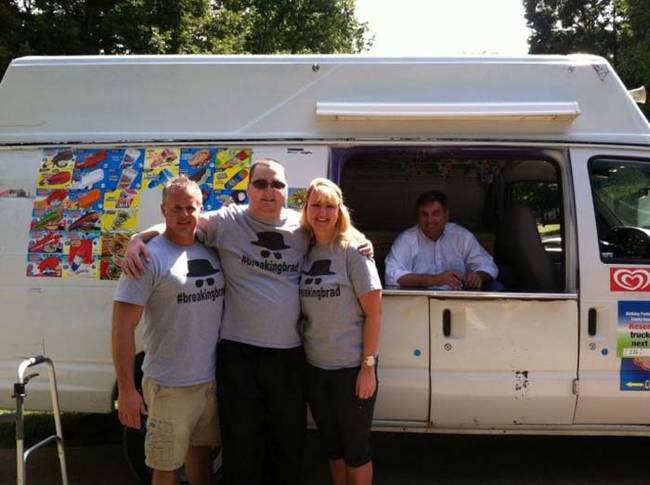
[633, 330]
[87, 200]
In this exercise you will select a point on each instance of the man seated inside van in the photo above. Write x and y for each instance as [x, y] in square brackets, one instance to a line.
[439, 254]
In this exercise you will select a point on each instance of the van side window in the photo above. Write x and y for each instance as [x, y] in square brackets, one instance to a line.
[621, 192]
[511, 202]
[543, 200]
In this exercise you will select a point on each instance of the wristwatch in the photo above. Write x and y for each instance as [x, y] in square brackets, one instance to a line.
[370, 360]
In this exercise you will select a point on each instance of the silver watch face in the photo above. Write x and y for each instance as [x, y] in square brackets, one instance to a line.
[369, 361]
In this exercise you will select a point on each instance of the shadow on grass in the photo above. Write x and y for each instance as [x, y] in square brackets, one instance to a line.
[78, 429]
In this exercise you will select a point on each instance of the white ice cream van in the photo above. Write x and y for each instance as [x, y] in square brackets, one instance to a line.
[545, 159]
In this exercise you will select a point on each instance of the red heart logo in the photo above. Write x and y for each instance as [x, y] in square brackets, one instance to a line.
[631, 280]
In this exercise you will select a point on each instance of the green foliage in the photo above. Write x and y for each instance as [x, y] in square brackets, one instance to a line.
[542, 198]
[82, 27]
[615, 29]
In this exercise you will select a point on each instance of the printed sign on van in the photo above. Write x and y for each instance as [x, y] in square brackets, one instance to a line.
[633, 333]
[629, 279]
[635, 374]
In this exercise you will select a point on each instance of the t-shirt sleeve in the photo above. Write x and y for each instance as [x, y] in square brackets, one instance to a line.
[214, 220]
[135, 290]
[362, 272]
[399, 260]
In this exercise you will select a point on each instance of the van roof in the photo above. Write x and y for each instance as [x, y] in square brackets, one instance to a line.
[87, 99]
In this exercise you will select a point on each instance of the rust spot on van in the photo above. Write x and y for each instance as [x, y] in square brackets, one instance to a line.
[521, 381]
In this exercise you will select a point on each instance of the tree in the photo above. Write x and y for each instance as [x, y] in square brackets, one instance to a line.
[77, 27]
[615, 29]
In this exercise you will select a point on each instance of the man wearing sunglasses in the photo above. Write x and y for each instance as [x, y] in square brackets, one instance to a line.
[260, 357]
[181, 294]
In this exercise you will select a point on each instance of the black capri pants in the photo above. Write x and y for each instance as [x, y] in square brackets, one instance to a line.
[342, 418]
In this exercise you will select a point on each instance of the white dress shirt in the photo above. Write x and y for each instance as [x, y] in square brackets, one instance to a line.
[455, 250]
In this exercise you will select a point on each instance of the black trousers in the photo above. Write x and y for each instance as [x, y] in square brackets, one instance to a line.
[262, 413]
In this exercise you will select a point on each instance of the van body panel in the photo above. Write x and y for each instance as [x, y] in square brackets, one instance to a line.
[404, 360]
[495, 367]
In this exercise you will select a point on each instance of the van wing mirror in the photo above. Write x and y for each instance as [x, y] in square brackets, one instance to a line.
[638, 94]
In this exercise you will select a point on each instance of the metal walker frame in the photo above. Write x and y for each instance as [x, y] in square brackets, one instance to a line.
[20, 393]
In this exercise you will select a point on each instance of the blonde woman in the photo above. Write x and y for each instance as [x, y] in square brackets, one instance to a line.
[340, 294]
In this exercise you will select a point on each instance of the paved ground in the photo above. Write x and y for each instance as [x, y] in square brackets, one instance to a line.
[407, 460]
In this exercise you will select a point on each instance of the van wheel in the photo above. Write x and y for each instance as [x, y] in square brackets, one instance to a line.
[133, 448]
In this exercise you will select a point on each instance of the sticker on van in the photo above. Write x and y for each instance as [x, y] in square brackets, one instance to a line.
[633, 333]
[635, 375]
[629, 279]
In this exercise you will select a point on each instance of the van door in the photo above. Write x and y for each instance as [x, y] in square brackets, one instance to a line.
[504, 359]
[612, 190]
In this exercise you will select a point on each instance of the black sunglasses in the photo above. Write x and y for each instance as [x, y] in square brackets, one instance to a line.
[261, 184]
[199, 283]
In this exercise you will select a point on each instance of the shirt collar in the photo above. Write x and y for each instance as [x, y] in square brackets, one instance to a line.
[427, 238]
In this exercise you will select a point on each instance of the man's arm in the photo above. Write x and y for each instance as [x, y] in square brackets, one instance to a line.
[371, 305]
[132, 264]
[129, 401]
[448, 278]
[399, 267]
[136, 249]
[479, 263]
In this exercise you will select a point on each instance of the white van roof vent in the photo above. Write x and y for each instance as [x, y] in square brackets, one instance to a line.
[526, 111]
[638, 94]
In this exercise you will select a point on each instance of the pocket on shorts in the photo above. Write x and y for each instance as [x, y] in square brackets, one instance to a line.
[159, 442]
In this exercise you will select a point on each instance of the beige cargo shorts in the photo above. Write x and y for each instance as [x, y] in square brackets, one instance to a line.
[178, 417]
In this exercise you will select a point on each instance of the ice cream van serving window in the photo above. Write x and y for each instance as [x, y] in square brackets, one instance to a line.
[621, 194]
[510, 200]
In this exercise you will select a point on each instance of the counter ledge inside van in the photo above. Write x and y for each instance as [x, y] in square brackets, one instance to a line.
[473, 295]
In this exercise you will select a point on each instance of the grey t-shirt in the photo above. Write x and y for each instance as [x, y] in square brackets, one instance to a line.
[182, 290]
[261, 263]
[332, 281]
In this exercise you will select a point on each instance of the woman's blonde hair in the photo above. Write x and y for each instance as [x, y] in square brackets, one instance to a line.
[328, 192]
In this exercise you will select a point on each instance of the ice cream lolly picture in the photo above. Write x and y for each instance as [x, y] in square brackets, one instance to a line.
[57, 159]
[81, 255]
[231, 179]
[120, 220]
[45, 242]
[158, 158]
[122, 199]
[45, 265]
[55, 179]
[51, 219]
[90, 159]
[232, 157]
[81, 220]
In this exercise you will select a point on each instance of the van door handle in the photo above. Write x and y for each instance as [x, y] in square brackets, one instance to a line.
[446, 322]
[592, 322]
